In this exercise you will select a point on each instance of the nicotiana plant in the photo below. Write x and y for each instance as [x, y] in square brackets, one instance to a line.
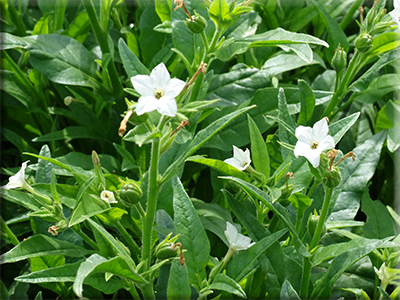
[129, 113]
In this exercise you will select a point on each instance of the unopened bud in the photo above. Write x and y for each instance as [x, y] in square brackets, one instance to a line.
[339, 59]
[364, 43]
[196, 24]
[68, 100]
[166, 250]
[312, 223]
[130, 195]
[331, 178]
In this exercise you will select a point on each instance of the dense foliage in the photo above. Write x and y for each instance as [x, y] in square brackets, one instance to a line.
[209, 149]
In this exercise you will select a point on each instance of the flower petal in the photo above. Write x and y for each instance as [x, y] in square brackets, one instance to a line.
[173, 88]
[235, 163]
[146, 104]
[230, 232]
[327, 143]
[167, 106]
[320, 129]
[305, 134]
[142, 84]
[301, 149]
[313, 156]
[160, 76]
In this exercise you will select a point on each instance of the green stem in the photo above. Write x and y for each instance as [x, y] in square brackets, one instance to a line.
[130, 241]
[87, 239]
[152, 193]
[8, 232]
[134, 292]
[59, 14]
[349, 16]
[102, 39]
[140, 210]
[341, 91]
[205, 41]
[199, 79]
[16, 19]
[317, 235]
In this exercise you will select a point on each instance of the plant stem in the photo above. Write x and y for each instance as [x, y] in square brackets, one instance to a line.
[102, 39]
[87, 239]
[4, 227]
[205, 41]
[341, 91]
[317, 235]
[130, 241]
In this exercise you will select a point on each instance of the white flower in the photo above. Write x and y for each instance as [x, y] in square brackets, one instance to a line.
[312, 141]
[158, 91]
[18, 180]
[108, 197]
[395, 14]
[240, 160]
[236, 240]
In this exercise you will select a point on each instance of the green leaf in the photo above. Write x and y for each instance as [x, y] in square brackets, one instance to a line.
[223, 282]
[242, 264]
[178, 282]
[338, 129]
[3, 291]
[142, 139]
[392, 111]
[15, 139]
[201, 137]
[336, 35]
[131, 62]
[9, 41]
[98, 264]
[40, 245]
[45, 168]
[19, 197]
[79, 27]
[378, 88]
[323, 287]
[219, 13]
[163, 9]
[379, 224]
[259, 149]
[192, 235]
[128, 162]
[220, 166]
[165, 27]
[286, 129]
[382, 43]
[72, 132]
[307, 100]
[288, 292]
[299, 202]
[276, 208]
[286, 62]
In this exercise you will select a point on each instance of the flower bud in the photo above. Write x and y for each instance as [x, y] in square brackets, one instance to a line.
[364, 43]
[332, 178]
[130, 195]
[196, 24]
[339, 59]
[312, 224]
[166, 250]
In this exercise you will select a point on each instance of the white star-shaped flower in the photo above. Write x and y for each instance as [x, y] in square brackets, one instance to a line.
[312, 141]
[108, 197]
[240, 160]
[395, 14]
[236, 240]
[158, 91]
[18, 180]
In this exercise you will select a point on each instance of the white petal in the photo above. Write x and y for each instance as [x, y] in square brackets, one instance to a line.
[18, 180]
[305, 134]
[143, 85]
[320, 129]
[313, 157]
[173, 88]
[230, 232]
[160, 76]
[167, 106]
[146, 104]
[301, 149]
[235, 163]
[327, 143]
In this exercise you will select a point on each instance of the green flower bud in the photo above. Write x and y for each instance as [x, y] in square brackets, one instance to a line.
[197, 24]
[312, 224]
[166, 250]
[339, 59]
[332, 178]
[364, 43]
[130, 195]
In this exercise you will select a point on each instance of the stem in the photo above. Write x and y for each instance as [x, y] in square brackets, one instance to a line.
[347, 19]
[152, 193]
[205, 41]
[199, 80]
[130, 241]
[340, 92]
[305, 280]
[102, 39]
[87, 239]
[8, 232]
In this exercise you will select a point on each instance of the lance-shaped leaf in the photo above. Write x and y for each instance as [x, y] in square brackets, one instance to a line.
[223, 282]
[41, 245]
[178, 282]
[339, 128]
[288, 292]
[192, 234]
[257, 194]
[307, 100]
[259, 149]
[130, 61]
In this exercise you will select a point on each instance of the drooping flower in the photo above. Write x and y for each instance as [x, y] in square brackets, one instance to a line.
[312, 141]
[158, 91]
[240, 160]
[108, 197]
[236, 240]
[18, 180]
[395, 14]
